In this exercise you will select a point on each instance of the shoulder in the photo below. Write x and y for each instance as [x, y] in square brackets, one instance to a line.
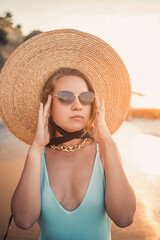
[92, 145]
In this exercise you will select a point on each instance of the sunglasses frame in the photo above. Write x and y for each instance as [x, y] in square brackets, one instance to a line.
[75, 94]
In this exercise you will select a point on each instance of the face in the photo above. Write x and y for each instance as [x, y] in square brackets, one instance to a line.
[62, 114]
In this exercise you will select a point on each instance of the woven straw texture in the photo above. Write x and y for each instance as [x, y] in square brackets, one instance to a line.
[33, 62]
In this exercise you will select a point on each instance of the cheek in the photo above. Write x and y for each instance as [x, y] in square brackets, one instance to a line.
[88, 112]
[58, 111]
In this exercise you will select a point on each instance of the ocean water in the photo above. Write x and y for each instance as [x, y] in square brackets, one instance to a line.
[139, 144]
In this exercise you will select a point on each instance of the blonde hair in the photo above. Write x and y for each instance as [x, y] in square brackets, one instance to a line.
[49, 88]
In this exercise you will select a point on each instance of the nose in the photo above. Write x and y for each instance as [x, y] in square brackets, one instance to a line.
[76, 103]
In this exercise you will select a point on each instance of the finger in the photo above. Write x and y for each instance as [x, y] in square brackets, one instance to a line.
[97, 104]
[40, 114]
[46, 121]
[102, 108]
[47, 106]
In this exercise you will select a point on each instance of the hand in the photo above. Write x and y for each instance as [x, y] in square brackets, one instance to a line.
[42, 135]
[99, 129]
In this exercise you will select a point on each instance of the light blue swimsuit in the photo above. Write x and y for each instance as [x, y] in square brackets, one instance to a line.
[89, 221]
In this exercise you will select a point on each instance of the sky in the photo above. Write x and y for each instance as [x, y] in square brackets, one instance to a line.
[132, 28]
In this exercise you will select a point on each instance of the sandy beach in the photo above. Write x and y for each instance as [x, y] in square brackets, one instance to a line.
[146, 223]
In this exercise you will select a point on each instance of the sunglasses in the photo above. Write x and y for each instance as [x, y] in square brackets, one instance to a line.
[67, 97]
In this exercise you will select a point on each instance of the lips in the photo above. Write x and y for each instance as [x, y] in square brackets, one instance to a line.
[77, 116]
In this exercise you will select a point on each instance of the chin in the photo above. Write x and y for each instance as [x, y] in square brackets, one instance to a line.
[74, 127]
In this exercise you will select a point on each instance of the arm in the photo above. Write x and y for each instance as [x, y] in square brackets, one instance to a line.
[26, 200]
[119, 196]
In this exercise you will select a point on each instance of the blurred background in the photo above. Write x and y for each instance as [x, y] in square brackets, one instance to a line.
[132, 28]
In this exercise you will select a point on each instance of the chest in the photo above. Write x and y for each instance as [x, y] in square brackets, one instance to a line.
[69, 178]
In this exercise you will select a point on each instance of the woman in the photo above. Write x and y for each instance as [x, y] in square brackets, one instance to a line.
[83, 184]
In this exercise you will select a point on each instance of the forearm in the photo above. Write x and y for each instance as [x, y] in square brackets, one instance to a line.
[119, 195]
[26, 200]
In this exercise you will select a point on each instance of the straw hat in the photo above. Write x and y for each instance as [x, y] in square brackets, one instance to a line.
[33, 62]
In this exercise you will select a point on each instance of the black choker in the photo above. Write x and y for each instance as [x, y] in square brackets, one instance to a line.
[67, 136]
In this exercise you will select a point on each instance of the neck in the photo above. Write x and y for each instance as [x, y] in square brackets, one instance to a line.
[72, 142]
[65, 137]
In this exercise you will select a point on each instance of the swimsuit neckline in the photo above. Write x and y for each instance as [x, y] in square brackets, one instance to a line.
[86, 193]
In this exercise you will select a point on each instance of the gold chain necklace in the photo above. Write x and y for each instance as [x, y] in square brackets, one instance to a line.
[70, 148]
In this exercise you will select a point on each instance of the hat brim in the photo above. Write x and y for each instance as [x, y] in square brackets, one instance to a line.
[33, 62]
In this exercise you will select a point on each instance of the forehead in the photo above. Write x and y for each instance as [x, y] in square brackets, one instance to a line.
[71, 83]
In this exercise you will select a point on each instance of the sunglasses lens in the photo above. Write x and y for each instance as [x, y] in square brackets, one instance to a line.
[65, 97]
[87, 97]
